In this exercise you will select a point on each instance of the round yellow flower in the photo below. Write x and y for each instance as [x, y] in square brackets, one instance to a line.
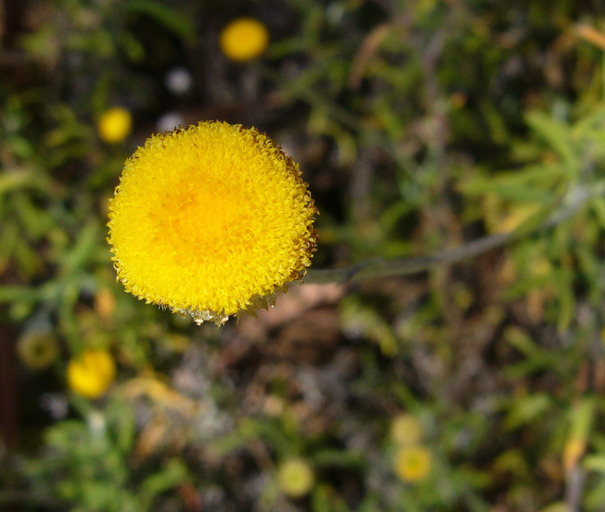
[91, 374]
[211, 220]
[244, 39]
[412, 463]
[114, 125]
[38, 349]
[295, 478]
[406, 429]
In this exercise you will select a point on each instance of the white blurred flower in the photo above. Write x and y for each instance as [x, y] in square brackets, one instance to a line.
[56, 404]
[96, 423]
[178, 81]
[169, 121]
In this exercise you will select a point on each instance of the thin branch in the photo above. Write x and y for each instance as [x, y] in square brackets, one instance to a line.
[378, 267]
[574, 484]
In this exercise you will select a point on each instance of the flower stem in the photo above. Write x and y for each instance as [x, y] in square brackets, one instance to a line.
[377, 267]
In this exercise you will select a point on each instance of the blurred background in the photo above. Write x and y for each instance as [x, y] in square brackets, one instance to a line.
[420, 125]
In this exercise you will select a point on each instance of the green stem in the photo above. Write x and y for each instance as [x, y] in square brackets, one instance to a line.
[378, 267]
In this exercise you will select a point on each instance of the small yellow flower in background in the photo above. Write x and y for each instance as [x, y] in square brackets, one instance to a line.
[244, 39]
[211, 220]
[572, 453]
[295, 478]
[582, 417]
[412, 463]
[38, 349]
[406, 429]
[114, 125]
[91, 374]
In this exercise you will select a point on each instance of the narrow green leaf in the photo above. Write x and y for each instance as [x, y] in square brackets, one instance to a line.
[558, 136]
[527, 409]
[594, 463]
[173, 474]
[170, 18]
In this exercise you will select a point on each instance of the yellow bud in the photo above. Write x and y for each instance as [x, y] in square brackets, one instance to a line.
[91, 374]
[295, 478]
[412, 463]
[406, 429]
[114, 125]
[244, 39]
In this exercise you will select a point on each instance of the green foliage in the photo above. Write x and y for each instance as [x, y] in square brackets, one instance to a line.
[421, 126]
[86, 464]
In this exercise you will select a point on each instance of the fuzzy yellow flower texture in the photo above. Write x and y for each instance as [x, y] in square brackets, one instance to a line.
[244, 39]
[211, 220]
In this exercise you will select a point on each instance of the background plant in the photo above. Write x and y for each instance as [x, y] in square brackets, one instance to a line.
[423, 127]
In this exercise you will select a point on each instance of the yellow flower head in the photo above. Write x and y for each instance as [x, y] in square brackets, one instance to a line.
[38, 349]
[406, 429]
[211, 220]
[295, 478]
[91, 374]
[114, 125]
[412, 463]
[244, 39]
